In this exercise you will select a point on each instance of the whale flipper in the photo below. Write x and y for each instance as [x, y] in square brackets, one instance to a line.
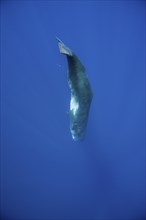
[81, 92]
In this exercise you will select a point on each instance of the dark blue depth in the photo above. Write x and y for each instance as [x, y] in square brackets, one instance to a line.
[44, 173]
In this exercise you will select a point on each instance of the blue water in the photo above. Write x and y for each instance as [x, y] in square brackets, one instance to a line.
[44, 173]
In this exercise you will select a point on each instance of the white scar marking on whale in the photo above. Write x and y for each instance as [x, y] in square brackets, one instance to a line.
[74, 105]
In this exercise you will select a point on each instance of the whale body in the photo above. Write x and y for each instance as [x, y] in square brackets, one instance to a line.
[81, 93]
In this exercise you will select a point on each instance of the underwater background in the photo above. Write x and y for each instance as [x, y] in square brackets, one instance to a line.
[44, 173]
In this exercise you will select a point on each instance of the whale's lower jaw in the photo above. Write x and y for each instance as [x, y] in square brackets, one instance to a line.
[78, 120]
[78, 134]
[78, 128]
[77, 138]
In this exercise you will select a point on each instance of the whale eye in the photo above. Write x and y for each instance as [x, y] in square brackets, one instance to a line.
[74, 105]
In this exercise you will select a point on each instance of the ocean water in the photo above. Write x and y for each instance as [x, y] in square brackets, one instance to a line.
[44, 173]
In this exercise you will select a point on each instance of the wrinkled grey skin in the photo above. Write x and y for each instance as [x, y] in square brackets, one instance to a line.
[81, 93]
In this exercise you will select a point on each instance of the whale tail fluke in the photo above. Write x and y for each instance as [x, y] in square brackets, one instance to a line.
[63, 48]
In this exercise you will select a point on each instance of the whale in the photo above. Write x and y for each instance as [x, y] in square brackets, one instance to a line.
[81, 93]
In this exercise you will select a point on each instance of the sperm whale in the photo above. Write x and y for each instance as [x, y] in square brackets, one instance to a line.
[81, 93]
